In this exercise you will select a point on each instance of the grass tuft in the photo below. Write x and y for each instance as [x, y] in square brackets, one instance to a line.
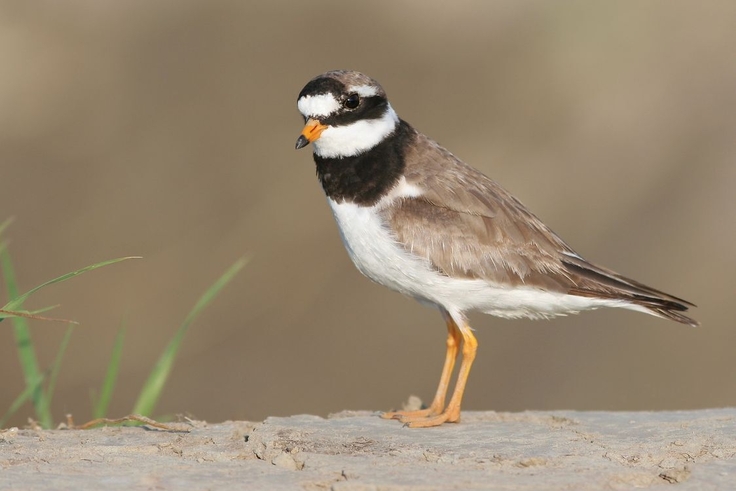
[156, 381]
[108, 383]
[40, 384]
[20, 400]
[16, 301]
[33, 375]
[24, 347]
[55, 367]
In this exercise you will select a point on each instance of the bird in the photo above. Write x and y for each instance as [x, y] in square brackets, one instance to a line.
[415, 218]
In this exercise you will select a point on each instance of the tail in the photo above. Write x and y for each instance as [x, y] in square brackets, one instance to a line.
[597, 282]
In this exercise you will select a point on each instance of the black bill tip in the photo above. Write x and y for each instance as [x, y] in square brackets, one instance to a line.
[301, 142]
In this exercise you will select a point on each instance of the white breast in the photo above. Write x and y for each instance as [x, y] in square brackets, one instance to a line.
[377, 255]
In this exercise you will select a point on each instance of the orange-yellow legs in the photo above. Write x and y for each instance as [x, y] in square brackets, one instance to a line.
[437, 414]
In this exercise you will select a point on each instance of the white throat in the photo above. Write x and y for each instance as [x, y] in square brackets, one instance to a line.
[356, 138]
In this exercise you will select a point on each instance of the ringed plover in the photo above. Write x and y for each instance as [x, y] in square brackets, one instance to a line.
[416, 219]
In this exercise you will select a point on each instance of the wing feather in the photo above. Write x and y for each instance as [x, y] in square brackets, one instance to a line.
[467, 226]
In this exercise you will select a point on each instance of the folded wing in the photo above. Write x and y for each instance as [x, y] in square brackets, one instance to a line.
[478, 230]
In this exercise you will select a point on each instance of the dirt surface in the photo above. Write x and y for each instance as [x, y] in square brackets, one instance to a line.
[359, 451]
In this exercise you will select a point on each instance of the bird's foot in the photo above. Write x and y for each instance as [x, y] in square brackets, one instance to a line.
[450, 415]
[425, 418]
[401, 415]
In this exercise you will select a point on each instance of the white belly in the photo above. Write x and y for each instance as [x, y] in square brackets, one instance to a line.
[377, 255]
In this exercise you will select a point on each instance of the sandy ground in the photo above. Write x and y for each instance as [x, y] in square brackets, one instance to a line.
[359, 451]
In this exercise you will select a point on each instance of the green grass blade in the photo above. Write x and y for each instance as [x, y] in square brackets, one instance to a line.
[3, 245]
[55, 367]
[17, 301]
[24, 346]
[157, 379]
[108, 384]
[4, 314]
[5, 224]
[20, 400]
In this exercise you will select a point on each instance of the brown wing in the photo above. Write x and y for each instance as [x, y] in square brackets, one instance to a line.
[468, 226]
[465, 245]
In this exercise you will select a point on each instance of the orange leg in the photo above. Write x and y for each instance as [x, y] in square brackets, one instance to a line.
[451, 414]
[454, 338]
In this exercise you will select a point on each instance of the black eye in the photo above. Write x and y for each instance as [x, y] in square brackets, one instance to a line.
[352, 101]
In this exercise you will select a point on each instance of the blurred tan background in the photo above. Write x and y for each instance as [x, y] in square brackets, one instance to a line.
[167, 130]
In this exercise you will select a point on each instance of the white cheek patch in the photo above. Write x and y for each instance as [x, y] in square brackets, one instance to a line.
[318, 105]
[364, 90]
[355, 138]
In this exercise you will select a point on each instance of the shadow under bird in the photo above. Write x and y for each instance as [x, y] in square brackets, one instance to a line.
[418, 220]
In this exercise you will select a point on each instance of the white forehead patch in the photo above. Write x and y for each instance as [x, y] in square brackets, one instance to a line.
[318, 105]
[364, 90]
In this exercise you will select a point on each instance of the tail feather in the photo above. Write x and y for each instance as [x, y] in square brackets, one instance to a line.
[595, 281]
[675, 316]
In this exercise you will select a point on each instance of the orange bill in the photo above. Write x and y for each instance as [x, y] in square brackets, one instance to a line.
[312, 130]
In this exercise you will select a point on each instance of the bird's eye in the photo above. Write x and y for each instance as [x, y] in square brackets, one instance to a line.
[352, 101]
